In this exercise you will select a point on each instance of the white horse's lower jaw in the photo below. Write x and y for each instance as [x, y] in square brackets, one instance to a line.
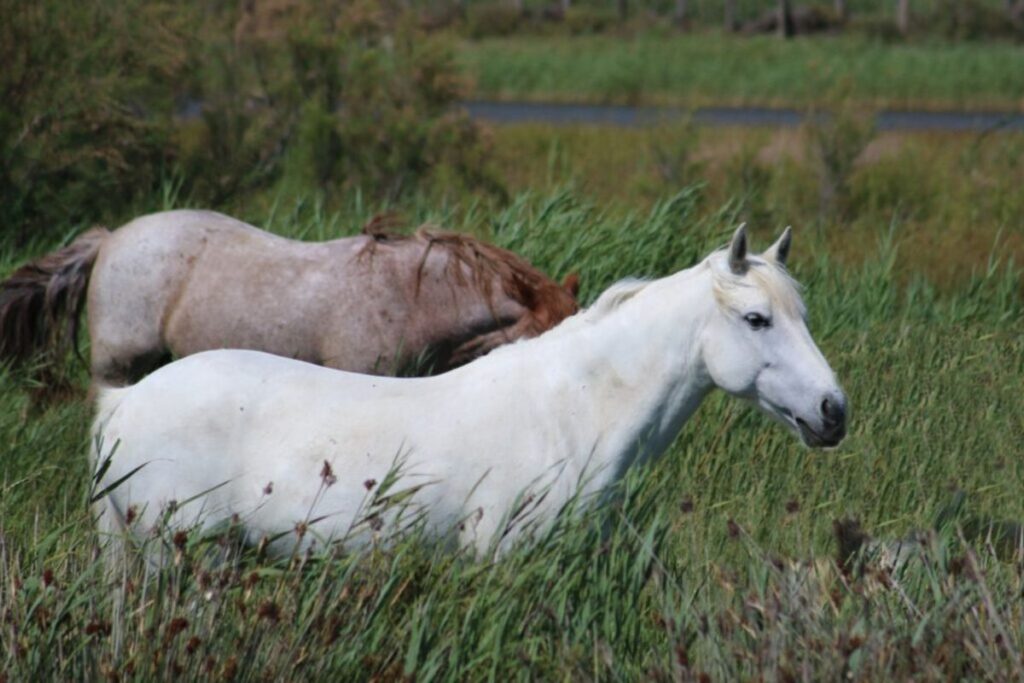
[808, 436]
[813, 439]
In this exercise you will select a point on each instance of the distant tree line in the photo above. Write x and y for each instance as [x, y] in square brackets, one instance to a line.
[952, 18]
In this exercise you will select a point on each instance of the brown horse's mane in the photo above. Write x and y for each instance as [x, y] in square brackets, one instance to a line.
[547, 301]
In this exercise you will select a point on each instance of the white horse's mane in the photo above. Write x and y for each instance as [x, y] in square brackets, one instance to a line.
[782, 290]
[609, 301]
[619, 293]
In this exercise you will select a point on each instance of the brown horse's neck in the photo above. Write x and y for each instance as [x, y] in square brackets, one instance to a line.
[519, 298]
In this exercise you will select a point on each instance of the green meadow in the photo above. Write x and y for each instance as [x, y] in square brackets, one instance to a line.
[717, 560]
[711, 68]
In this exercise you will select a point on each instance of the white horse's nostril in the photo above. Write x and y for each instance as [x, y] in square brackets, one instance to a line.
[833, 412]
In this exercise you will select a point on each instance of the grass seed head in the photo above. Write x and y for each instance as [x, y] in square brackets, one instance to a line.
[327, 475]
[97, 628]
[175, 626]
[230, 669]
[269, 611]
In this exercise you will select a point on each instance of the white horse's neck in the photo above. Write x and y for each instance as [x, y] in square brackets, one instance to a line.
[635, 372]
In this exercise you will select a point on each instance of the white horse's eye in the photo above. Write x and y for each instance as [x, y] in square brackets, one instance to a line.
[757, 321]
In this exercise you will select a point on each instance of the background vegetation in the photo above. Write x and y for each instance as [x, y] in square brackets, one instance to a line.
[710, 68]
[108, 104]
[719, 561]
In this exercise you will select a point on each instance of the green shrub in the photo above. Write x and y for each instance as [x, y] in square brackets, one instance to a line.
[835, 140]
[335, 95]
[672, 149]
[486, 20]
[584, 20]
[969, 20]
[87, 91]
[748, 179]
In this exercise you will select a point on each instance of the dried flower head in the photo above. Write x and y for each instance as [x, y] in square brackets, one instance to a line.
[327, 474]
[230, 669]
[97, 628]
[175, 626]
[269, 611]
[734, 529]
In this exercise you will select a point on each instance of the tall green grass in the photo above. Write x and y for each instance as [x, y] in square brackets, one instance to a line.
[715, 69]
[949, 198]
[711, 561]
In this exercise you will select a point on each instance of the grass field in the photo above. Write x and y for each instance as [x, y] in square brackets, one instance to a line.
[714, 69]
[949, 197]
[714, 558]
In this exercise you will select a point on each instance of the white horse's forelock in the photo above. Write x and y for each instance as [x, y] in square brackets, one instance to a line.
[782, 290]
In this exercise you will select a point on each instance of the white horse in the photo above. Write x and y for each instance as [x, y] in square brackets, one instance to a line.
[273, 444]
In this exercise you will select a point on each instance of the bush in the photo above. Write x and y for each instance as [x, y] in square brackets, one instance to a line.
[970, 20]
[491, 19]
[87, 90]
[587, 20]
[335, 94]
[672, 149]
[835, 141]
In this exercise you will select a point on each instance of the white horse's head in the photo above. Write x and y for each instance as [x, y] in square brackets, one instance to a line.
[756, 344]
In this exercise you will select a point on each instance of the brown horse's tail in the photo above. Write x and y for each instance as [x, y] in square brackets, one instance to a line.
[41, 302]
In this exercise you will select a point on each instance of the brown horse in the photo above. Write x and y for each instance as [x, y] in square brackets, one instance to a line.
[179, 282]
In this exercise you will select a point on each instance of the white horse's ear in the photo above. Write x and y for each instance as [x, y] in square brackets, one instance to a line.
[779, 252]
[738, 250]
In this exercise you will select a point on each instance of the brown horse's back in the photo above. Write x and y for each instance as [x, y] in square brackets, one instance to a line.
[180, 282]
[138, 273]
